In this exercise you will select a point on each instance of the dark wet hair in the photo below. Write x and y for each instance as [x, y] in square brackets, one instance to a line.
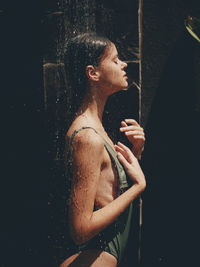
[83, 50]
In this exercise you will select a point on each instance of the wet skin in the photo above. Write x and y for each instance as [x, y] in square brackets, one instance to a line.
[106, 192]
[95, 180]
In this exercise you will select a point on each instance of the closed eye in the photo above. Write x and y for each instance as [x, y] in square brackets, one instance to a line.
[116, 60]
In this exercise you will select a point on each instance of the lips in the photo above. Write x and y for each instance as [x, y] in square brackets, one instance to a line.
[125, 76]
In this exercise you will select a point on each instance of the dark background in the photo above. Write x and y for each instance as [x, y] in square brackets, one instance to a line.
[171, 117]
[170, 97]
[24, 154]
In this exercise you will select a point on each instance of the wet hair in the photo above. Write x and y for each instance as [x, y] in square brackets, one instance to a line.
[83, 50]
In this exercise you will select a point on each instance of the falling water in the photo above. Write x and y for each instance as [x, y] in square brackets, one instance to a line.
[73, 17]
[70, 18]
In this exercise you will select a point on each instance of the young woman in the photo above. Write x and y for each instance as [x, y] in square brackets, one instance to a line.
[105, 178]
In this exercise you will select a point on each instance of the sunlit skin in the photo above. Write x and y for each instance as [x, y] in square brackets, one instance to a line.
[95, 179]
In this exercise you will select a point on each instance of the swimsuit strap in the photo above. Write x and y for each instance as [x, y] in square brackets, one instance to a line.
[123, 184]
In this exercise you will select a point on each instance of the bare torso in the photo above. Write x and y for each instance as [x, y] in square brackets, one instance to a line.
[108, 181]
[95, 181]
[107, 189]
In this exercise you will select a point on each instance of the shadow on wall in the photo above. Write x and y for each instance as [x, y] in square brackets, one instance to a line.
[170, 162]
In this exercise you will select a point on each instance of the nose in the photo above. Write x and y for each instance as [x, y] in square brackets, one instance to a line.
[124, 65]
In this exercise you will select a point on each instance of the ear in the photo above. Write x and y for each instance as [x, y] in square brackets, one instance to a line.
[92, 73]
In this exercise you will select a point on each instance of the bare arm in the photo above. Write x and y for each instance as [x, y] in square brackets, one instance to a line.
[87, 161]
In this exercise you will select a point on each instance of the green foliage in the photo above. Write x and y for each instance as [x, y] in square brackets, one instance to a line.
[192, 24]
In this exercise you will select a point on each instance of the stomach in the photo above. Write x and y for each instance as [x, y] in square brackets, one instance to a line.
[90, 258]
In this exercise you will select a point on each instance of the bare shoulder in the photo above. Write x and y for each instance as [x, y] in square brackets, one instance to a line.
[88, 141]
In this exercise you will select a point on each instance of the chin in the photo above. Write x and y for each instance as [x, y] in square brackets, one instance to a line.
[122, 87]
[125, 88]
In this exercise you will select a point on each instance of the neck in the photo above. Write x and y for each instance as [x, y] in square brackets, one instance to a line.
[93, 105]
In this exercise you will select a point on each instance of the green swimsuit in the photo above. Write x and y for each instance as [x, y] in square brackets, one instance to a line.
[114, 238]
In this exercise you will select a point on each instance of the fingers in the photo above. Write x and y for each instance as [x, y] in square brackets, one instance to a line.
[134, 126]
[124, 151]
[131, 121]
[131, 128]
[123, 147]
[136, 134]
[134, 131]
[123, 160]
[123, 124]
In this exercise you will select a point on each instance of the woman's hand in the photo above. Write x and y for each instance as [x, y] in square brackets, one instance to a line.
[131, 165]
[135, 135]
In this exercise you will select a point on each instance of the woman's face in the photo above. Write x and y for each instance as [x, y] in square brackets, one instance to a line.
[112, 76]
